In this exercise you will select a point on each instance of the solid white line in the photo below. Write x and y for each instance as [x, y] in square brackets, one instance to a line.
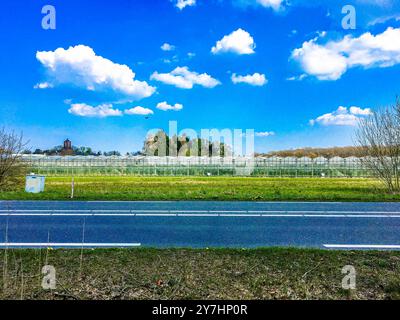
[327, 212]
[198, 213]
[229, 211]
[146, 211]
[209, 211]
[361, 246]
[282, 215]
[153, 215]
[324, 215]
[310, 202]
[104, 201]
[182, 211]
[24, 214]
[40, 210]
[63, 214]
[162, 201]
[195, 215]
[15, 215]
[240, 215]
[61, 244]
[103, 215]
[103, 210]
[372, 216]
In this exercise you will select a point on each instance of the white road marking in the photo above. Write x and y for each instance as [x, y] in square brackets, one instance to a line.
[111, 201]
[283, 215]
[163, 201]
[61, 244]
[152, 215]
[371, 216]
[324, 215]
[196, 215]
[199, 213]
[244, 214]
[239, 215]
[305, 202]
[361, 246]
[186, 211]
[326, 212]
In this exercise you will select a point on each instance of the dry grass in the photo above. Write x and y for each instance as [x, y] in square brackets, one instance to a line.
[200, 274]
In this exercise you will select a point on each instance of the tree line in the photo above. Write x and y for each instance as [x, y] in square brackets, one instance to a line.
[78, 151]
[343, 152]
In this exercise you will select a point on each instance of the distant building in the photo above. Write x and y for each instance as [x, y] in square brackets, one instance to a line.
[67, 149]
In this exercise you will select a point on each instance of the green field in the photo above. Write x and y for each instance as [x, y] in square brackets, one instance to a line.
[199, 274]
[208, 188]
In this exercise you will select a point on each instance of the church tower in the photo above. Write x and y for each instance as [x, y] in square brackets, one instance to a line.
[67, 149]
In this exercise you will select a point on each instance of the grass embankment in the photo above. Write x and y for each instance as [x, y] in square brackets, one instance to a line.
[199, 274]
[208, 188]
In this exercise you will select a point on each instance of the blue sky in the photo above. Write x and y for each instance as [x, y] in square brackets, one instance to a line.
[288, 70]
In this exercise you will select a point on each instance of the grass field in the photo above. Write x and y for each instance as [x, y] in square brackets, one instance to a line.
[208, 188]
[199, 274]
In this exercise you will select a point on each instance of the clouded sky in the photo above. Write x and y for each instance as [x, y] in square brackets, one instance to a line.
[113, 70]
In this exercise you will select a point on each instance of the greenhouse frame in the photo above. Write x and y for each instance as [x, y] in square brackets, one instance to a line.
[196, 166]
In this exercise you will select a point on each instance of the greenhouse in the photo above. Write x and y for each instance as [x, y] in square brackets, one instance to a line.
[196, 166]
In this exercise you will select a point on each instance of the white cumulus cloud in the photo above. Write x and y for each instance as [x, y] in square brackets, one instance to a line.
[139, 111]
[274, 4]
[342, 117]
[101, 111]
[43, 85]
[181, 4]
[166, 107]
[80, 66]
[256, 79]
[297, 78]
[167, 47]
[182, 77]
[331, 60]
[239, 42]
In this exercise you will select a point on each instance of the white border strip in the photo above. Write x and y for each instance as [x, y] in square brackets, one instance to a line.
[361, 246]
[71, 244]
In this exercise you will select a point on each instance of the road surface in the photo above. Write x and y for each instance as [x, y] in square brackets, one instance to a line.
[199, 224]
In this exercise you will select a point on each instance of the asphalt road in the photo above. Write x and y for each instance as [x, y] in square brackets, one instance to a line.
[199, 224]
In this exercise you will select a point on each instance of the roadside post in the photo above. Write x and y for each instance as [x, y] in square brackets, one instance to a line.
[72, 188]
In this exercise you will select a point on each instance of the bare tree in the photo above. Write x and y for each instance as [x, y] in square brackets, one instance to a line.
[379, 137]
[11, 166]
